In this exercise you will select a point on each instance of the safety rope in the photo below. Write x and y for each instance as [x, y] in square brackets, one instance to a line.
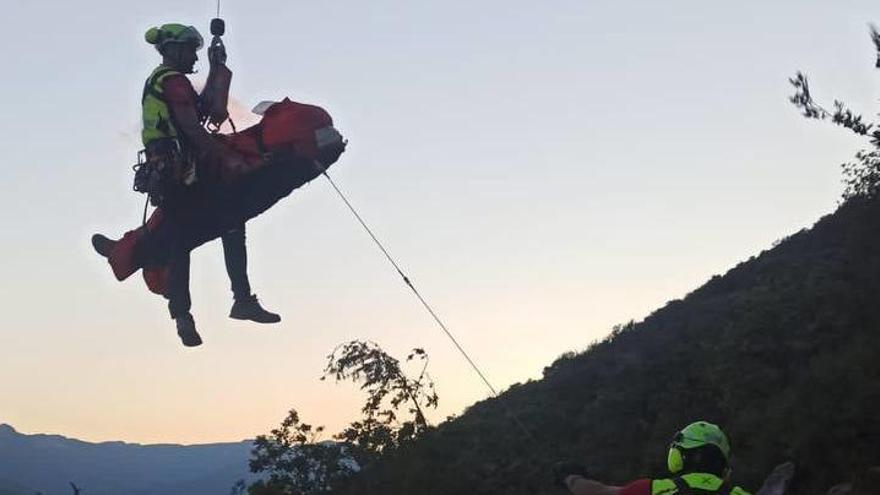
[146, 204]
[427, 306]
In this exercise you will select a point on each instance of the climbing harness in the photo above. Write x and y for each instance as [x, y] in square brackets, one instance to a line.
[157, 169]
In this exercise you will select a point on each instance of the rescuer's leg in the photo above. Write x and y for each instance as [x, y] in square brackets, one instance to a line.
[235, 255]
[246, 305]
[179, 301]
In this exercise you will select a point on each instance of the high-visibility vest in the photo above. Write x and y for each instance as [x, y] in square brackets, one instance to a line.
[694, 484]
[156, 114]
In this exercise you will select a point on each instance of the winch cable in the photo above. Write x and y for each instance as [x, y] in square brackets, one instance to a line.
[427, 306]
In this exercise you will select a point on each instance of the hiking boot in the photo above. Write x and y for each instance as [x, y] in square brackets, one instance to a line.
[186, 330]
[249, 308]
[103, 245]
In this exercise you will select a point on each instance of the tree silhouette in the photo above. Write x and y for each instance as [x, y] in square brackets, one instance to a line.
[861, 178]
[388, 390]
[298, 463]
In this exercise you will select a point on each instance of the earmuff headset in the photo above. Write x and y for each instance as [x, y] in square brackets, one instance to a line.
[674, 458]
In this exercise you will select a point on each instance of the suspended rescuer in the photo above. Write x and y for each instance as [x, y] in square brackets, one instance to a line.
[176, 145]
[698, 460]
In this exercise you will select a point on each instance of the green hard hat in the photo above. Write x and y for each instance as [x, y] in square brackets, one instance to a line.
[702, 433]
[173, 33]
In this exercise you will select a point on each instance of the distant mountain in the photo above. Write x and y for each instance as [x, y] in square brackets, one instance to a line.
[783, 351]
[48, 463]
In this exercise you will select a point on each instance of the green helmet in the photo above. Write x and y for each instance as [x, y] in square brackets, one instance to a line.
[695, 435]
[173, 33]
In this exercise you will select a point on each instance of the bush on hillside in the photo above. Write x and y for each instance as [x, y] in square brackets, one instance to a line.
[296, 462]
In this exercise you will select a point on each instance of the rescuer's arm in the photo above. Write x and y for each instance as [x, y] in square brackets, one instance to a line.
[181, 99]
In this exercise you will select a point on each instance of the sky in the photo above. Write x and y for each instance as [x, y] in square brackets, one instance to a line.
[541, 170]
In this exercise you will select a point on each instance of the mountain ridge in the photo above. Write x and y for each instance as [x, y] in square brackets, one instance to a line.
[48, 462]
[8, 429]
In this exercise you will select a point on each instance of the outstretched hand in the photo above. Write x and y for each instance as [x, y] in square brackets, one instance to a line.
[562, 470]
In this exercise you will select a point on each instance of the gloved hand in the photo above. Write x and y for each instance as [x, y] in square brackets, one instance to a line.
[216, 53]
[562, 470]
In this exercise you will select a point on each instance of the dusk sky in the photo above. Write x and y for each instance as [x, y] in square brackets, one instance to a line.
[542, 171]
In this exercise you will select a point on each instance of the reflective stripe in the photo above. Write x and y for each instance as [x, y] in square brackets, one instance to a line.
[681, 486]
[663, 487]
[698, 483]
[156, 114]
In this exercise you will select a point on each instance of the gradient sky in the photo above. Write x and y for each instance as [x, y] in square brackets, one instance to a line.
[542, 170]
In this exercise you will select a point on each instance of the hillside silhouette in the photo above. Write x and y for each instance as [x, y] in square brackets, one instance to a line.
[782, 350]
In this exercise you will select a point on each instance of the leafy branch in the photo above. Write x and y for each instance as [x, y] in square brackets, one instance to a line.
[861, 178]
[841, 115]
[294, 461]
[388, 389]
